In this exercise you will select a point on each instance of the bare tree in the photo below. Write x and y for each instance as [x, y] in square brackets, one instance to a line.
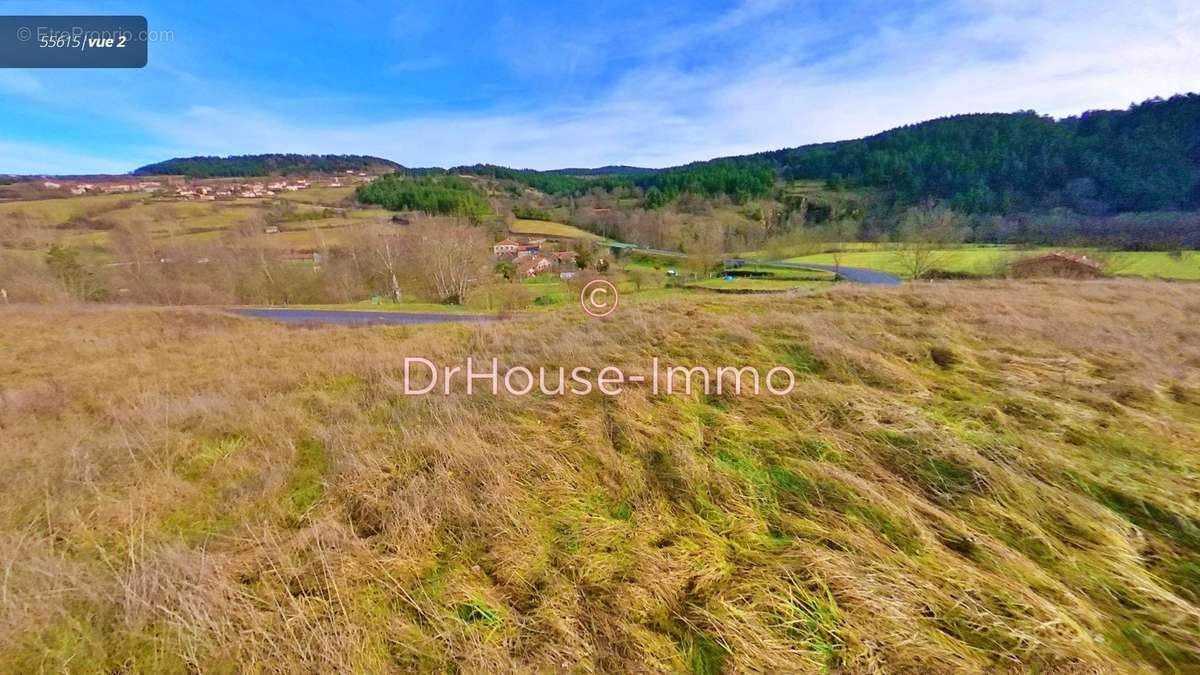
[704, 247]
[444, 260]
[837, 236]
[924, 235]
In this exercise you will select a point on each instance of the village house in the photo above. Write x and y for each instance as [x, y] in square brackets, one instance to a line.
[528, 251]
[535, 266]
[505, 248]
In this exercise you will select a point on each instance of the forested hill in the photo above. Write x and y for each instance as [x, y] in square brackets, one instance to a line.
[264, 165]
[1146, 158]
[611, 170]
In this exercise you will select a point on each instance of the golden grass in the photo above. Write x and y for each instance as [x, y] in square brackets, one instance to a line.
[551, 229]
[969, 478]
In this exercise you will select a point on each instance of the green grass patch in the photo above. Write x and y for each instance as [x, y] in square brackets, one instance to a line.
[306, 485]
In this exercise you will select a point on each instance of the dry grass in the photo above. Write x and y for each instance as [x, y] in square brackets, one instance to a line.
[970, 478]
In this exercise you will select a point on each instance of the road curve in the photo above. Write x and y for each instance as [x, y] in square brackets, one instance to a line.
[860, 275]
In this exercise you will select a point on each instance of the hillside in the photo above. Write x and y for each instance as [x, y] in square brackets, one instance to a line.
[235, 166]
[973, 477]
[1146, 159]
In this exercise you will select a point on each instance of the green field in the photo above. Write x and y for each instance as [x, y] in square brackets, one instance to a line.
[550, 229]
[987, 260]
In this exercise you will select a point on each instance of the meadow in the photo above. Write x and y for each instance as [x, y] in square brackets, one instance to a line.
[987, 260]
[87, 222]
[968, 477]
[548, 228]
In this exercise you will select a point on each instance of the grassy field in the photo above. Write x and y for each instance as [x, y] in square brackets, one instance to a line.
[328, 196]
[985, 260]
[550, 229]
[52, 211]
[181, 222]
[967, 478]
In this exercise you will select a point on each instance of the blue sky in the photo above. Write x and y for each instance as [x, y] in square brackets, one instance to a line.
[545, 85]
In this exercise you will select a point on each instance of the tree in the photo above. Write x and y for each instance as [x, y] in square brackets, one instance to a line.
[444, 261]
[506, 269]
[704, 249]
[655, 198]
[924, 234]
[72, 275]
[836, 235]
[583, 255]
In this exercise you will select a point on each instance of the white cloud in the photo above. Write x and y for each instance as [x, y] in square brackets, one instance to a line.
[967, 57]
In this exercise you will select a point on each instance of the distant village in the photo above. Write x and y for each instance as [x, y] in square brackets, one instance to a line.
[529, 256]
[205, 189]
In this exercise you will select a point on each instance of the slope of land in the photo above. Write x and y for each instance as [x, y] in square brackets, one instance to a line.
[549, 228]
[967, 478]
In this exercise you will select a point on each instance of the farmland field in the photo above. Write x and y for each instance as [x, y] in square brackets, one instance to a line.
[329, 196]
[986, 260]
[550, 229]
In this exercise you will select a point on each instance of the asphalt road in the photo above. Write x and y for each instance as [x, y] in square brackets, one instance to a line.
[352, 317]
[859, 275]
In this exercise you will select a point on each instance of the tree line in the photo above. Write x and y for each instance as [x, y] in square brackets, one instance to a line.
[431, 194]
[1146, 158]
[241, 166]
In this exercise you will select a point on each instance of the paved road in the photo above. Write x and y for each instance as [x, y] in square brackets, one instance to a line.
[859, 275]
[352, 317]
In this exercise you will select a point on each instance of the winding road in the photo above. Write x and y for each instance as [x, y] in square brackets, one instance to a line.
[858, 275]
